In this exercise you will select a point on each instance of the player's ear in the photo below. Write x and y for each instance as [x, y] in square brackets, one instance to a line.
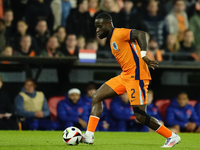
[109, 24]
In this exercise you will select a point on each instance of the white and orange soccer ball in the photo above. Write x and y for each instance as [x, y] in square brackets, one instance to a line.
[72, 136]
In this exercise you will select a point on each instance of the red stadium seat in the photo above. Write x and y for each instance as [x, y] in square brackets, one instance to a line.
[162, 105]
[52, 103]
[192, 102]
[107, 103]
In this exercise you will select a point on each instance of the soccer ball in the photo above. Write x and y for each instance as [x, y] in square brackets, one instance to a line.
[72, 136]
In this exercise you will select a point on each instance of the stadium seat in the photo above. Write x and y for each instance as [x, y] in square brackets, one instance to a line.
[107, 103]
[52, 103]
[162, 105]
[192, 102]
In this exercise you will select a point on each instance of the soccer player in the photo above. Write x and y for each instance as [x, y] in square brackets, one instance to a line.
[129, 48]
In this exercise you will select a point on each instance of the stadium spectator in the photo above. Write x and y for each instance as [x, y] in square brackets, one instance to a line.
[195, 27]
[197, 108]
[52, 48]
[25, 48]
[122, 117]
[79, 21]
[155, 23]
[129, 18]
[152, 109]
[153, 51]
[66, 7]
[32, 106]
[92, 44]
[181, 116]
[187, 43]
[8, 19]
[93, 7]
[109, 6]
[72, 111]
[7, 118]
[42, 34]
[22, 28]
[177, 19]
[39, 10]
[172, 44]
[81, 42]
[87, 98]
[2, 34]
[70, 48]
[195, 8]
[7, 51]
[56, 7]
[61, 35]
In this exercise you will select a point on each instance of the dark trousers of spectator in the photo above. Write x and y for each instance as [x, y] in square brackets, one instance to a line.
[40, 124]
[8, 124]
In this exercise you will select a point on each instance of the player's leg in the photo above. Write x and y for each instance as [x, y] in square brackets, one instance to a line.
[138, 99]
[102, 93]
[112, 88]
[154, 124]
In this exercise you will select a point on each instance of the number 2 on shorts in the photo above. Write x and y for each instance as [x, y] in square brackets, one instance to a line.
[133, 92]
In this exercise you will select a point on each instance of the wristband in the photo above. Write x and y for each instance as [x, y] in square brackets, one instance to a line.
[143, 53]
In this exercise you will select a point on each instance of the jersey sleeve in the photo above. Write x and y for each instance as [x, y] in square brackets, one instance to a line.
[125, 34]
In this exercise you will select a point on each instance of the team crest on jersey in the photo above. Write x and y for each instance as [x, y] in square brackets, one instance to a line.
[115, 46]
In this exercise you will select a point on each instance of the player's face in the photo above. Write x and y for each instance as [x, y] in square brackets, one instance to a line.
[101, 28]
[182, 100]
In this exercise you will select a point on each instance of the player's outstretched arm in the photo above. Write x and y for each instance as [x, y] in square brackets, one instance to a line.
[142, 40]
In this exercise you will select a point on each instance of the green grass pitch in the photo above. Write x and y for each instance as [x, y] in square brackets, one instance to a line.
[52, 140]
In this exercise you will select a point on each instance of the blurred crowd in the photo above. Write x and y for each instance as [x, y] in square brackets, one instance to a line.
[58, 28]
[32, 111]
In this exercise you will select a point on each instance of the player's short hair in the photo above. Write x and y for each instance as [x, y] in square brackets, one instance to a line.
[177, 1]
[104, 16]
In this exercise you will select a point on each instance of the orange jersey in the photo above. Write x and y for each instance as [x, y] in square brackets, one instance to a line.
[127, 54]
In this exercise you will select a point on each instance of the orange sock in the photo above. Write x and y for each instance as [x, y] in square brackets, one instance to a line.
[92, 124]
[162, 130]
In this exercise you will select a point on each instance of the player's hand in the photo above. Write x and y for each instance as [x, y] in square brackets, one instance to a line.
[39, 114]
[151, 63]
[190, 126]
[82, 123]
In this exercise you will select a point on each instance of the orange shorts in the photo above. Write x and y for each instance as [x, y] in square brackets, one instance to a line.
[136, 89]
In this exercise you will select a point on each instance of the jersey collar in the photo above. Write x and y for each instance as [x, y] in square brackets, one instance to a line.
[111, 33]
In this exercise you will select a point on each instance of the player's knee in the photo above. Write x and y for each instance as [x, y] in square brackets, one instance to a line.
[95, 98]
[139, 117]
[142, 116]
